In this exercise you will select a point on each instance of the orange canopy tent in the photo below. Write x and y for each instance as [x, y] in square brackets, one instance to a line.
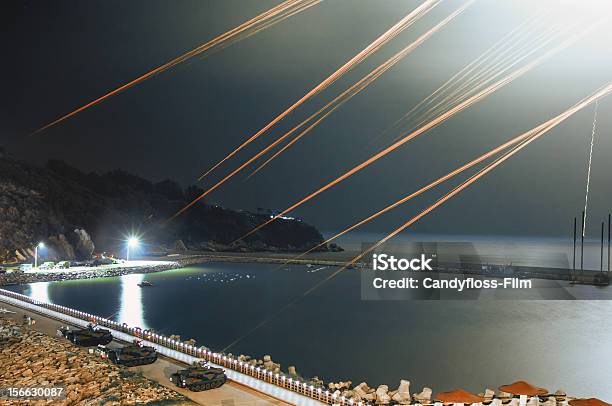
[458, 396]
[523, 388]
[588, 402]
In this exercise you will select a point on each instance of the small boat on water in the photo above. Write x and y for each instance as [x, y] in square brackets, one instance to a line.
[601, 279]
[145, 283]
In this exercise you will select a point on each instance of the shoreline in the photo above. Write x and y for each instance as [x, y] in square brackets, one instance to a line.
[152, 264]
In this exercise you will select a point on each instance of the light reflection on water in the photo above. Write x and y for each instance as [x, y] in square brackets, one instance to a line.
[40, 291]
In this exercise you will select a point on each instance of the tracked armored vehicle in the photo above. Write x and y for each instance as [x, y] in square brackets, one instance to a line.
[199, 378]
[132, 355]
[88, 337]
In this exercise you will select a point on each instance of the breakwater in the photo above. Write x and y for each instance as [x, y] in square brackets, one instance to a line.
[15, 278]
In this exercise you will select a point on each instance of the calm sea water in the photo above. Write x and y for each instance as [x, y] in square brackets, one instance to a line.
[334, 334]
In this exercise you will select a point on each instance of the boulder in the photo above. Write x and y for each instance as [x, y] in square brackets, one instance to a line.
[488, 394]
[424, 396]
[270, 365]
[350, 394]
[316, 381]
[362, 390]
[382, 395]
[19, 256]
[292, 371]
[83, 245]
[402, 395]
[340, 385]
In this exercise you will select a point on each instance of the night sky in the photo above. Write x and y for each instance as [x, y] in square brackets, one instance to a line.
[62, 54]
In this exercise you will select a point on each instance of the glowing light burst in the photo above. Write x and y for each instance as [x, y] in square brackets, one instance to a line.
[491, 65]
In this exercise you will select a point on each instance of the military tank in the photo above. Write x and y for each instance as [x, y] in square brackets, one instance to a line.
[88, 337]
[199, 378]
[132, 355]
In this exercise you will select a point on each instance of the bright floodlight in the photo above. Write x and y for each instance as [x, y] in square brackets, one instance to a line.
[131, 243]
[41, 245]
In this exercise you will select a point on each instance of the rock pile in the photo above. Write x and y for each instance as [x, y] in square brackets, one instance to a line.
[266, 363]
[270, 365]
[71, 274]
[31, 358]
[381, 395]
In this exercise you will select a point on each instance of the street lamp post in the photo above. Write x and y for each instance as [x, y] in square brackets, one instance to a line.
[40, 245]
[132, 242]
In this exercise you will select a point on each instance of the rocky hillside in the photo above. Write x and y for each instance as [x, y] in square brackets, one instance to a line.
[76, 212]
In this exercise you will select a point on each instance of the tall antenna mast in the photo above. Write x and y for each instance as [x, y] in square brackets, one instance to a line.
[601, 251]
[582, 245]
[574, 260]
[586, 195]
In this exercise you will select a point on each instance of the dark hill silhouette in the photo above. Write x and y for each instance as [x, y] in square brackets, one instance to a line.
[49, 203]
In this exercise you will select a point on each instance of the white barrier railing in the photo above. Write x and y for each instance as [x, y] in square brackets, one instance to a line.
[277, 385]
